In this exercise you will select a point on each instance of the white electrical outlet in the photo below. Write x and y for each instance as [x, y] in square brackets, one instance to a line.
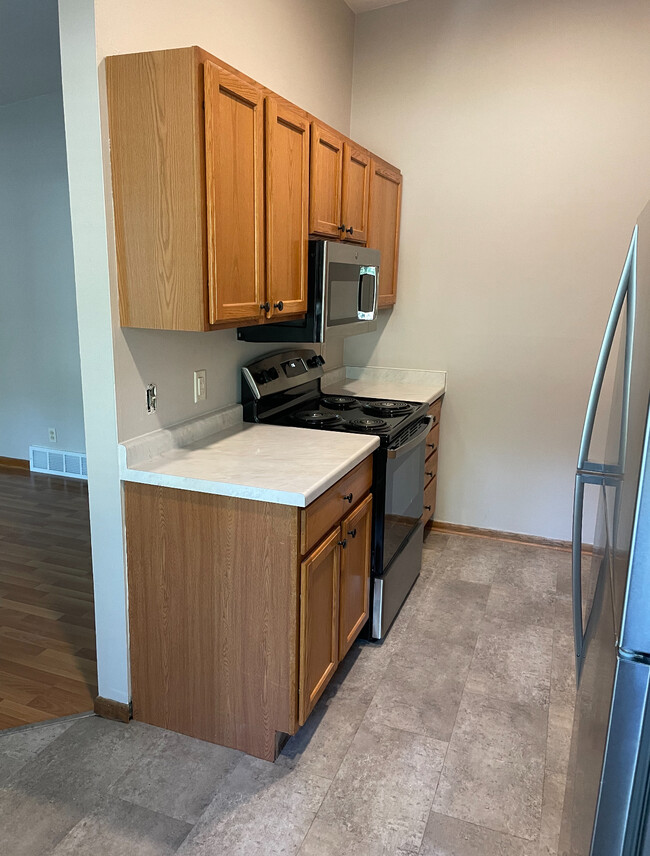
[200, 386]
[52, 434]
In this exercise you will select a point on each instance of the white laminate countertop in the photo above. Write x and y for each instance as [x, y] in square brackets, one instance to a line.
[268, 463]
[396, 384]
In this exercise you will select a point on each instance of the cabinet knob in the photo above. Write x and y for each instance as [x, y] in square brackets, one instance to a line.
[348, 496]
[265, 306]
[428, 474]
[352, 533]
[350, 231]
[279, 306]
[427, 508]
[342, 227]
[432, 446]
[342, 543]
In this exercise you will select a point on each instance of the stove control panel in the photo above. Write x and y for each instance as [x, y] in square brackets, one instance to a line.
[280, 372]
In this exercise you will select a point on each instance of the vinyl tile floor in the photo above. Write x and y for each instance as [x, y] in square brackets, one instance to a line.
[449, 739]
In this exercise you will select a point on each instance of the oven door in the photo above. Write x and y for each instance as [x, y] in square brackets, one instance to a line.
[404, 492]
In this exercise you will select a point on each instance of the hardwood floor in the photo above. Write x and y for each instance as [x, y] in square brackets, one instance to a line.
[47, 630]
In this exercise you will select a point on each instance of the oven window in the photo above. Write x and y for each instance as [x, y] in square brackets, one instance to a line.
[404, 491]
[342, 293]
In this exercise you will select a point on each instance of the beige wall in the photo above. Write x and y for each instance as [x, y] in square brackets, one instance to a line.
[303, 51]
[523, 132]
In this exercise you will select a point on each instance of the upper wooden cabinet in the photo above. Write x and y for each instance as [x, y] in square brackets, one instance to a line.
[339, 186]
[217, 184]
[354, 197]
[383, 225]
[210, 198]
[234, 162]
[325, 182]
[287, 207]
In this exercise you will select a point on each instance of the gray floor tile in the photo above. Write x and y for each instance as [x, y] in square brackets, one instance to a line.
[560, 725]
[493, 773]
[120, 828]
[554, 784]
[261, 809]
[450, 612]
[321, 744]
[421, 689]
[31, 824]
[447, 836]
[473, 559]
[532, 567]
[564, 613]
[178, 776]
[512, 661]
[563, 677]
[80, 765]
[19, 747]
[361, 670]
[383, 791]
[521, 605]
[435, 541]
[323, 839]
[500, 796]
[564, 571]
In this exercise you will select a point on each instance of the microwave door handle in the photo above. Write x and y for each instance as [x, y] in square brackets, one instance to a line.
[415, 440]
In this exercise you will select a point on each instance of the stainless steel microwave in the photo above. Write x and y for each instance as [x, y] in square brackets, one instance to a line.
[343, 286]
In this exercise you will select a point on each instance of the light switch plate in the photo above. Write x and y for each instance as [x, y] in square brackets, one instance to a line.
[200, 386]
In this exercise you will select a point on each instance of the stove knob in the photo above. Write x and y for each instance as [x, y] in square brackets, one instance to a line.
[273, 373]
[321, 360]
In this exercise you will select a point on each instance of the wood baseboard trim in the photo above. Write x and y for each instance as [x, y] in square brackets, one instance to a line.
[475, 531]
[109, 709]
[13, 463]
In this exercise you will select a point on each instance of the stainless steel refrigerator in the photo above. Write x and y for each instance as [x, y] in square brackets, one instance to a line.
[607, 799]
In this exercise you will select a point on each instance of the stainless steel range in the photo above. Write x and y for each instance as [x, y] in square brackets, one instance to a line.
[285, 389]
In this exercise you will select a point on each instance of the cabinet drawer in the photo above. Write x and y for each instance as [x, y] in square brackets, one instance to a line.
[326, 511]
[434, 410]
[432, 440]
[429, 499]
[430, 468]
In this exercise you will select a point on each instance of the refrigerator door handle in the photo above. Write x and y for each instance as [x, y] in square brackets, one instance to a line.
[576, 570]
[627, 276]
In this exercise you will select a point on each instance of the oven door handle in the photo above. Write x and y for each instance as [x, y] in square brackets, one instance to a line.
[414, 441]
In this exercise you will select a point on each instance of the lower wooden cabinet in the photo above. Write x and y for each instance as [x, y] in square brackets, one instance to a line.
[240, 611]
[334, 590]
[431, 463]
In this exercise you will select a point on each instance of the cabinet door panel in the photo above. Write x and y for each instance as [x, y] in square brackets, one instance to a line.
[356, 181]
[319, 586]
[383, 227]
[355, 574]
[235, 202]
[287, 208]
[326, 162]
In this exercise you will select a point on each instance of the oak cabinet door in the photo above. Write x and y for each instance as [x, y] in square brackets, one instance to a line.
[354, 203]
[287, 208]
[234, 160]
[383, 226]
[319, 589]
[326, 167]
[355, 574]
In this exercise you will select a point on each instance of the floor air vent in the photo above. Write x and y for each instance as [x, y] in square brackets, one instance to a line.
[54, 462]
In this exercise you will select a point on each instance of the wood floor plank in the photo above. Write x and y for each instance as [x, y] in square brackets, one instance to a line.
[47, 639]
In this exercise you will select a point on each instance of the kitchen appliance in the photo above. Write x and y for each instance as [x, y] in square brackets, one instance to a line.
[607, 799]
[285, 389]
[342, 290]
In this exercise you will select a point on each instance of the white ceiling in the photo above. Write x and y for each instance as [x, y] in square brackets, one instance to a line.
[366, 5]
[29, 49]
